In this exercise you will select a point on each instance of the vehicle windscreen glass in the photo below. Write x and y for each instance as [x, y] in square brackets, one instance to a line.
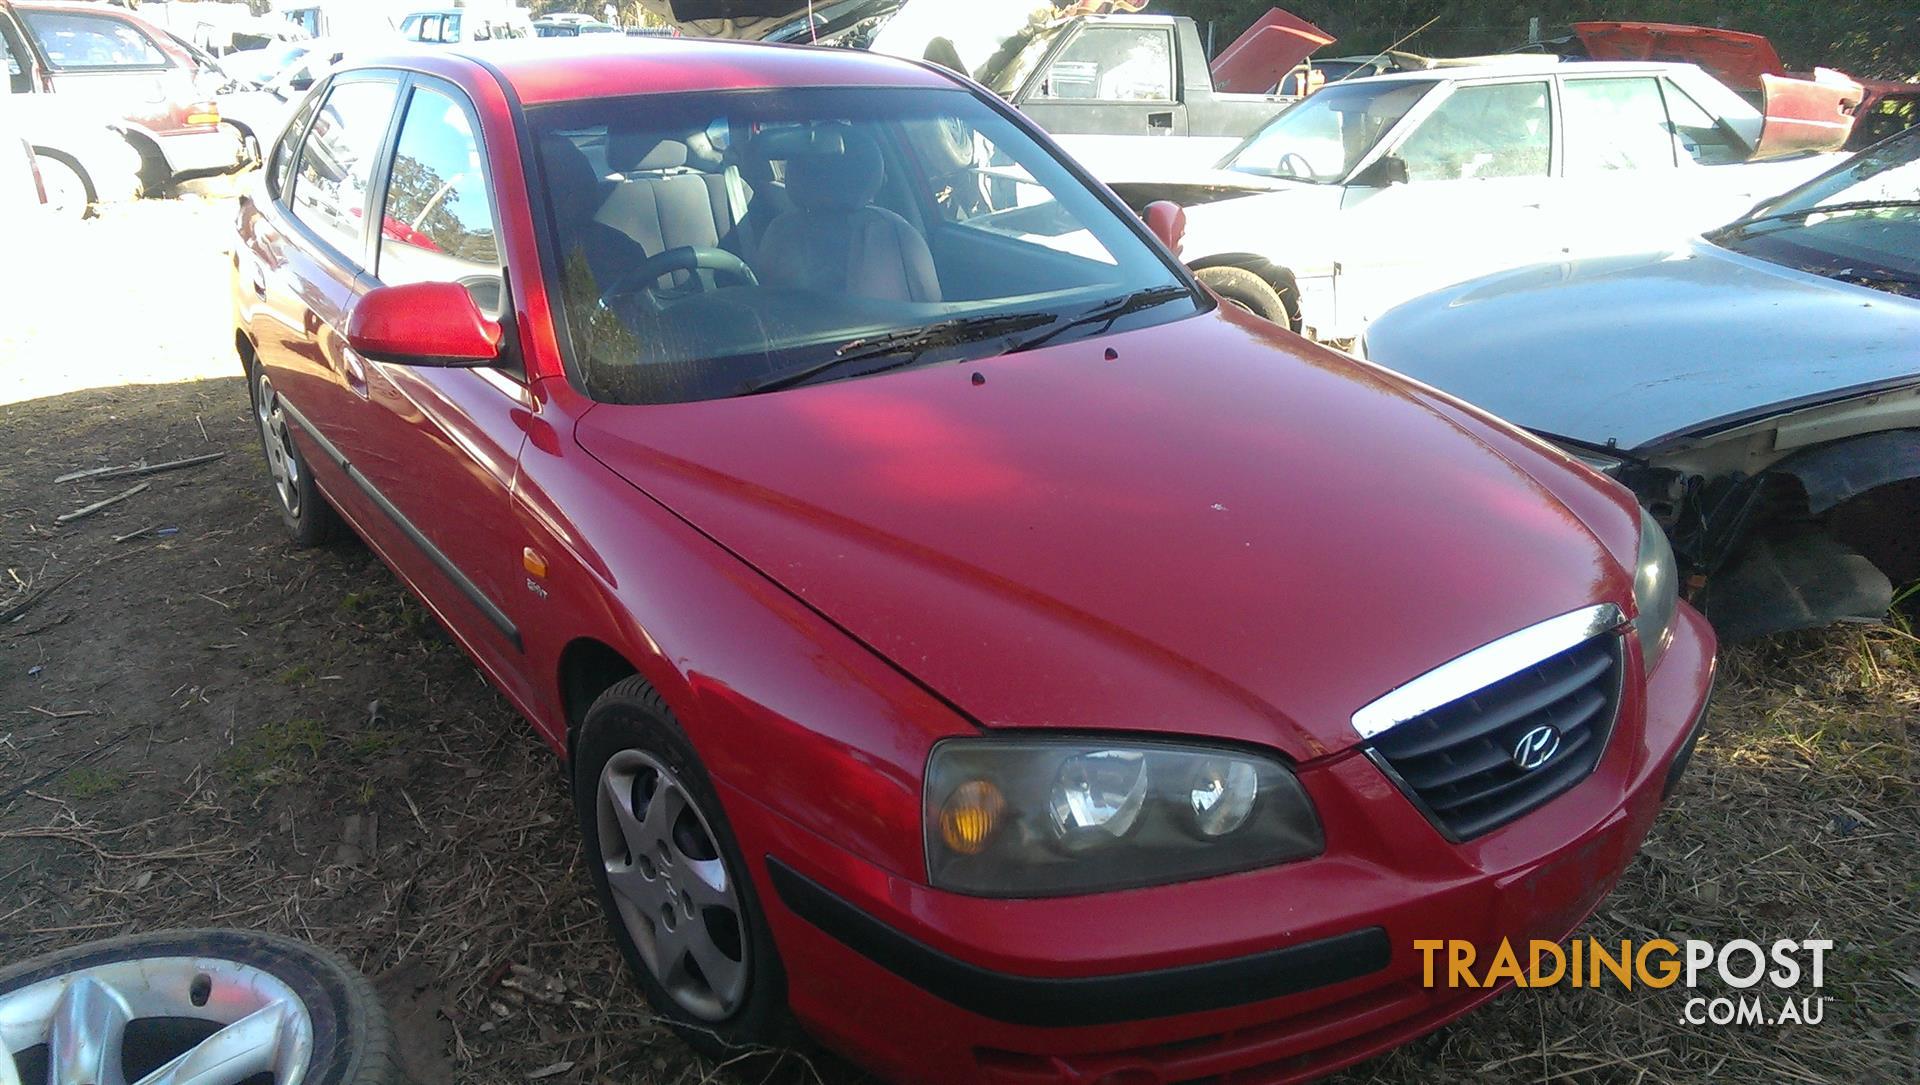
[1859, 224]
[717, 244]
[1323, 137]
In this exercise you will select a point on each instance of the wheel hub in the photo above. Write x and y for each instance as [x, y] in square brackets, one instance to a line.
[277, 438]
[81, 1018]
[674, 893]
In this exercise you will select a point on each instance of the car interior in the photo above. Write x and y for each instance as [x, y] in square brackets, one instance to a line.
[735, 241]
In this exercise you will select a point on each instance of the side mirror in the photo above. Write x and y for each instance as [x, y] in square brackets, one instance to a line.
[1385, 170]
[423, 324]
[1168, 221]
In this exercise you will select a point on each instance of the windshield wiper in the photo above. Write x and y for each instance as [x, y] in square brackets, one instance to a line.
[905, 347]
[1107, 312]
[1737, 228]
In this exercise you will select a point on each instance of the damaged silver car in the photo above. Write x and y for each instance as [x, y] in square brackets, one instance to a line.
[1758, 388]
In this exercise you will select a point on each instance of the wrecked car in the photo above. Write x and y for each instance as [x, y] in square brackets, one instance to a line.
[963, 635]
[1758, 387]
[1748, 63]
[1114, 86]
[1377, 190]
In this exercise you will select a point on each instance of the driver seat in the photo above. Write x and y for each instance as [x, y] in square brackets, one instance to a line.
[834, 241]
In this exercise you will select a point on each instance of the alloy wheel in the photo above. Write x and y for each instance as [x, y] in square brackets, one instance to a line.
[173, 1020]
[676, 897]
[275, 435]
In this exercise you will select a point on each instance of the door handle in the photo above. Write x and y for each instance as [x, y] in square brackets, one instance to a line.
[1160, 120]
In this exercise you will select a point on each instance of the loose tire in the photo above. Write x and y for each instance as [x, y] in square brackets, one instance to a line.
[671, 879]
[69, 193]
[309, 519]
[1238, 286]
[228, 1005]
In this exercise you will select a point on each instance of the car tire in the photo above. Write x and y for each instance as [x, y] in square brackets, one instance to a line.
[303, 508]
[192, 983]
[69, 190]
[630, 747]
[1238, 286]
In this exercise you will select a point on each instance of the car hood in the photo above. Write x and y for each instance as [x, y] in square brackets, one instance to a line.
[1223, 531]
[1640, 351]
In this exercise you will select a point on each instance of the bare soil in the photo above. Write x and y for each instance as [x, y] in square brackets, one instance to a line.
[202, 726]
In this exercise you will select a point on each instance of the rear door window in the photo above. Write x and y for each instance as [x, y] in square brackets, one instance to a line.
[280, 166]
[1484, 131]
[72, 40]
[331, 183]
[1706, 140]
[1615, 124]
[438, 221]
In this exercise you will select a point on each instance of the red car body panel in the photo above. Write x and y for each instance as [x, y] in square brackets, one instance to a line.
[1257, 60]
[802, 576]
[924, 486]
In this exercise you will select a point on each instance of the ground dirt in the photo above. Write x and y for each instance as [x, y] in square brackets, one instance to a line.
[200, 725]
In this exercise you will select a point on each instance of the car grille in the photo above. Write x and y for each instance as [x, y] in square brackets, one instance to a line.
[1458, 761]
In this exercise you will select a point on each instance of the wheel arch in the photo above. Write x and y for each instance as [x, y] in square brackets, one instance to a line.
[588, 667]
[1276, 275]
[79, 169]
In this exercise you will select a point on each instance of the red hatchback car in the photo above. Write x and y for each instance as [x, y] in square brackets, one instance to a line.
[966, 636]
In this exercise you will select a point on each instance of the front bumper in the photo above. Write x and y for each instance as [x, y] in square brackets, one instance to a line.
[1274, 975]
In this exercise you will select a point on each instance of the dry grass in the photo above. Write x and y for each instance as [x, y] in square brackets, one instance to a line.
[198, 748]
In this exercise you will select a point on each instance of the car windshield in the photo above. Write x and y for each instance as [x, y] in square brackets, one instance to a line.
[1859, 223]
[717, 244]
[1323, 137]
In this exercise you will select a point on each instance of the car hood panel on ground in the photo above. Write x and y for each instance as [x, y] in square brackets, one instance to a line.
[1204, 536]
[1641, 350]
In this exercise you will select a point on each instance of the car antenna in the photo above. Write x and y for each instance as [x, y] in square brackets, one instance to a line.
[1404, 38]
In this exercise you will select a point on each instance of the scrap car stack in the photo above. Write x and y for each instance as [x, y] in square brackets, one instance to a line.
[1048, 556]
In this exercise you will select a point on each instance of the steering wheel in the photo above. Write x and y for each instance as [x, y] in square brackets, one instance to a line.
[1295, 165]
[684, 258]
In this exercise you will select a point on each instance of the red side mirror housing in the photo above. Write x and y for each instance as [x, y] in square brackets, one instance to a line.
[1168, 221]
[423, 324]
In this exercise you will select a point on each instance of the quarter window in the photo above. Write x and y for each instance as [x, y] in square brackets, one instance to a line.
[1615, 124]
[280, 169]
[1492, 130]
[438, 223]
[1114, 64]
[92, 41]
[336, 163]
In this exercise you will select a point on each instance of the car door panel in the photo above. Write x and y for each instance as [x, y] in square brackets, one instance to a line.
[441, 444]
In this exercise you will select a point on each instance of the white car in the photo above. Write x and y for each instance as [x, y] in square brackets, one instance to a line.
[79, 159]
[1373, 191]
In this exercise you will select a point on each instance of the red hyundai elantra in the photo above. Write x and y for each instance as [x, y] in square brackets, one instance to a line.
[966, 636]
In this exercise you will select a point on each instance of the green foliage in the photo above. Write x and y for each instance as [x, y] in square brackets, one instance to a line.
[1873, 39]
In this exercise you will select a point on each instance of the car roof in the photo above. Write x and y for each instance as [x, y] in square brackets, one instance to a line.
[1527, 64]
[543, 70]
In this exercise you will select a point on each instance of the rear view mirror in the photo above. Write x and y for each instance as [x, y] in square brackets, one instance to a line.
[433, 324]
[1168, 222]
[1385, 170]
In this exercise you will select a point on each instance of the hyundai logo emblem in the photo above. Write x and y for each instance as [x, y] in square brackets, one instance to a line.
[1536, 748]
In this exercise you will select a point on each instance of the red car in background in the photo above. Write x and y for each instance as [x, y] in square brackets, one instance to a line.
[128, 72]
[965, 635]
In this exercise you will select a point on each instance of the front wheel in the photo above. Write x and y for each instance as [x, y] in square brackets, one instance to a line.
[671, 879]
[208, 1006]
[1238, 286]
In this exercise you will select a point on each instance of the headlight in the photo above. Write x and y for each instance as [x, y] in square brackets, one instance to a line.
[1656, 590]
[1035, 817]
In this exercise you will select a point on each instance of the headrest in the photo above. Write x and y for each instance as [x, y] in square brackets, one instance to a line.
[833, 170]
[632, 152]
[574, 188]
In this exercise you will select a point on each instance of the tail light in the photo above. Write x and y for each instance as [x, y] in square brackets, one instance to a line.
[203, 113]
